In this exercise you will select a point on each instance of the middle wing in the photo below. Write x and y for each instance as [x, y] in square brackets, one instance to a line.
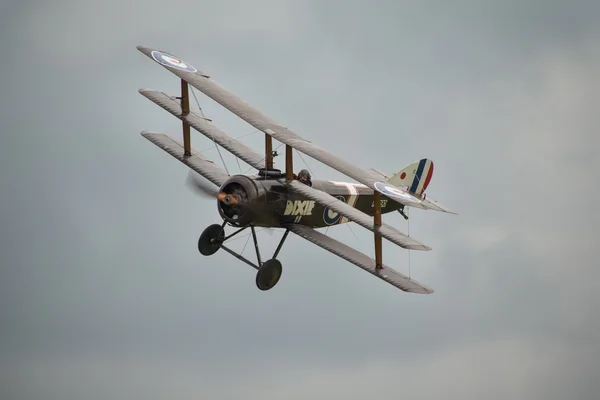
[205, 127]
[196, 161]
[353, 214]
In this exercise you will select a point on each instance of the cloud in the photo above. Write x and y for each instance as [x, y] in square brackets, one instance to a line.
[103, 290]
[495, 369]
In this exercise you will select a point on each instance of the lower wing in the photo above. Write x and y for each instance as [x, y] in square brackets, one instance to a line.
[359, 259]
[196, 162]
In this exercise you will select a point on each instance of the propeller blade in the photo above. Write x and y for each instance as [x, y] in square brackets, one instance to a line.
[201, 186]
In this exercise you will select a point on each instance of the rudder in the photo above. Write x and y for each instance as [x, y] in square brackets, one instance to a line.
[415, 177]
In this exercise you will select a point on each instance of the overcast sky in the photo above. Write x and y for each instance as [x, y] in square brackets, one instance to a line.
[103, 293]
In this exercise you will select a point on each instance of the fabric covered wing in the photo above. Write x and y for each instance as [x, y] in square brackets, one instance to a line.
[197, 162]
[386, 231]
[431, 204]
[386, 273]
[205, 127]
[256, 118]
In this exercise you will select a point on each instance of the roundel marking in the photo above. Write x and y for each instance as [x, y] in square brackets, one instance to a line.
[330, 216]
[169, 60]
[391, 191]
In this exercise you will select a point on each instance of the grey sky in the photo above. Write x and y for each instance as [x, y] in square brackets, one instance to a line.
[103, 293]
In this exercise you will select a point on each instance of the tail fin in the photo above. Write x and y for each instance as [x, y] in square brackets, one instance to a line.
[415, 177]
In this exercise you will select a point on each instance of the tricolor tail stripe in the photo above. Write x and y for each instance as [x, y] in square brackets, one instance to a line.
[422, 177]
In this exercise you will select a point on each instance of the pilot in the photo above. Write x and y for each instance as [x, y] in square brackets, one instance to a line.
[304, 177]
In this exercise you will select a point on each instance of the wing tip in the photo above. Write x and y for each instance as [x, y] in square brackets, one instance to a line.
[144, 49]
[421, 247]
[168, 60]
[419, 288]
[144, 91]
[447, 210]
[426, 290]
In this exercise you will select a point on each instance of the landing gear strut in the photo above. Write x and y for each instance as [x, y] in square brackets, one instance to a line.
[268, 272]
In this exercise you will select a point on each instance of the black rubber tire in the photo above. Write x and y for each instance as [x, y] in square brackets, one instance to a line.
[206, 246]
[268, 274]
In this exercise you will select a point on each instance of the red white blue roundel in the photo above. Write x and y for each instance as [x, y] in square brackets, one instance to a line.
[171, 61]
[393, 192]
[332, 217]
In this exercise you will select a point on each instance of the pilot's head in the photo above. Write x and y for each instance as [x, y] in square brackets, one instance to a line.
[304, 176]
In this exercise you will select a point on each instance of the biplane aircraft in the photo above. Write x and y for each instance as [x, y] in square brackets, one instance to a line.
[273, 198]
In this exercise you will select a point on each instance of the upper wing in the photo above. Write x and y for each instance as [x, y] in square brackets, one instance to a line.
[197, 162]
[256, 118]
[205, 127]
[386, 273]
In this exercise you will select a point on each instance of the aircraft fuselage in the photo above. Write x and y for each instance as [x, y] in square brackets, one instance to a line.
[272, 204]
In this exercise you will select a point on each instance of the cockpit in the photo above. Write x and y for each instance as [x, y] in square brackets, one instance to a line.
[304, 177]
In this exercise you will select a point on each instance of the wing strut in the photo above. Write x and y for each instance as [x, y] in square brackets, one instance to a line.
[289, 164]
[185, 108]
[377, 223]
[268, 152]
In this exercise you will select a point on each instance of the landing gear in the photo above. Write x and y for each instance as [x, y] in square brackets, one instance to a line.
[211, 240]
[268, 272]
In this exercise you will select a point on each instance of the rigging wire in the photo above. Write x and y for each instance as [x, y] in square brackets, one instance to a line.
[247, 235]
[347, 223]
[247, 240]
[234, 139]
[251, 168]
[408, 215]
[238, 163]
[305, 163]
[352, 230]
[307, 167]
[303, 160]
[213, 139]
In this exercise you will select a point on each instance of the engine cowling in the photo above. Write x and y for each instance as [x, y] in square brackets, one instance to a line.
[239, 200]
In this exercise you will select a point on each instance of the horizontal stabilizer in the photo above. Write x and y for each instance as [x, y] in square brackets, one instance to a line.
[353, 214]
[359, 259]
[431, 204]
[196, 162]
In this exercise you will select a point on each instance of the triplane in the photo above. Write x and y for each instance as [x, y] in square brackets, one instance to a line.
[273, 198]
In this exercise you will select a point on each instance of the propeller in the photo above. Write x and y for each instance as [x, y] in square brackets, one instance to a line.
[207, 189]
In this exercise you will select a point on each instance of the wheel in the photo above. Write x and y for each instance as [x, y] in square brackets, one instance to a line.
[209, 243]
[268, 274]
